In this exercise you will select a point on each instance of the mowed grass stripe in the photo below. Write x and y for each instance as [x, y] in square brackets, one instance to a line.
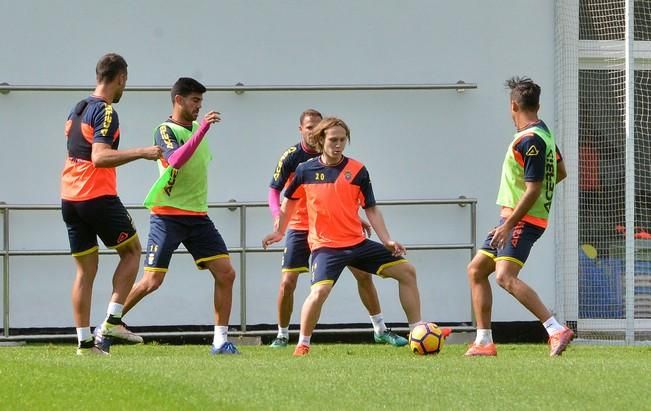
[333, 376]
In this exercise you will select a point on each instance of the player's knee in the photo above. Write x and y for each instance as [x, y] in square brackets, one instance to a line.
[222, 271]
[152, 284]
[225, 277]
[475, 273]
[131, 251]
[87, 271]
[86, 276]
[408, 272]
[505, 281]
[137, 247]
[288, 284]
[320, 294]
[364, 281]
[404, 273]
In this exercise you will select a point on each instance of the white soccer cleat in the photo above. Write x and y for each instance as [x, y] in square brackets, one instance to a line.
[118, 332]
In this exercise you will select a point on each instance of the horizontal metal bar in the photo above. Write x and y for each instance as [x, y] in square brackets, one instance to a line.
[466, 246]
[415, 247]
[108, 251]
[6, 88]
[44, 253]
[234, 250]
[444, 201]
[237, 204]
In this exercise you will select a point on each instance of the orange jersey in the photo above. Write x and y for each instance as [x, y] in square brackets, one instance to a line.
[92, 120]
[333, 195]
[283, 176]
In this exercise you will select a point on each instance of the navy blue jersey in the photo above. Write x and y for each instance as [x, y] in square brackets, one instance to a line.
[288, 163]
[284, 174]
[92, 120]
[164, 138]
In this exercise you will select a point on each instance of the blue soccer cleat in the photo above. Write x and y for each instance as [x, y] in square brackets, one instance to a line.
[226, 348]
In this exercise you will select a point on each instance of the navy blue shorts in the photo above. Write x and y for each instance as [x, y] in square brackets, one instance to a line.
[518, 245]
[197, 233]
[296, 256]
[104, 216]
[369, 256]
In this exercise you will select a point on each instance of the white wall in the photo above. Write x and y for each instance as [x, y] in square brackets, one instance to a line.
[416, 144]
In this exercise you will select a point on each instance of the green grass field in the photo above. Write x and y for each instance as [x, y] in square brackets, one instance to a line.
[333, 376]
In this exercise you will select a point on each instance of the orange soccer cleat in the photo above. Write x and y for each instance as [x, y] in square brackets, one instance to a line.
[301, 350]
[446, 332]
[559, 341]
[477, 350]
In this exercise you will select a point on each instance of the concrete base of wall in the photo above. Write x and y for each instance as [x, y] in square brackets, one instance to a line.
[503, 332]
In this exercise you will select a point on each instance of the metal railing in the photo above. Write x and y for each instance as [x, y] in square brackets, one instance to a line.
[239, 88]
[242, 250]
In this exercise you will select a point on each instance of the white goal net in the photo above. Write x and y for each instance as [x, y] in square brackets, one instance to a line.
[603, 95]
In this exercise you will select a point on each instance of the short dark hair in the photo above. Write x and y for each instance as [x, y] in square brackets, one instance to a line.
[524, 92]
[184, 86]
[310, 112]
[109, 67]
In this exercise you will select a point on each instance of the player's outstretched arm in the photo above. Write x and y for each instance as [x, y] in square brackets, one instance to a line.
[376, 219]
[182, 154]
[103, 156]
[286, 211]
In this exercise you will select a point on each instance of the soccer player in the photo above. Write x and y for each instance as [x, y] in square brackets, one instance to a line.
[334, 187]
[297, 252]
[531, 169]
[178, 201]
[90, 205]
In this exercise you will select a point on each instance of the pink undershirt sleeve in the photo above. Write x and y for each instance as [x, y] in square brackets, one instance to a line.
[273, 199]
[181, 155]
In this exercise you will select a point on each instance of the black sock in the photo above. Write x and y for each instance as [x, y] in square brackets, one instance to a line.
[87, 343]
[114, 320]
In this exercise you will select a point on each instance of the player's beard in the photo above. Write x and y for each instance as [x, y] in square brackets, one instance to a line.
[189, 116]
